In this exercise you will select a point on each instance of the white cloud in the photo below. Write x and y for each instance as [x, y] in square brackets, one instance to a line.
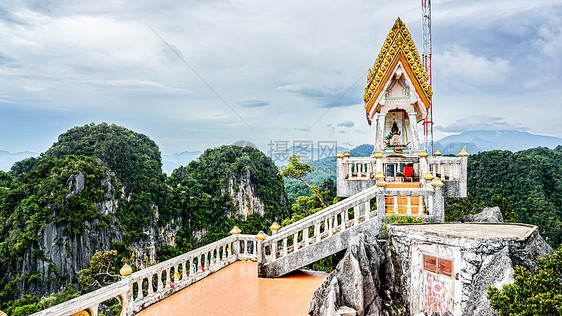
[102, 62]
[479, 123]
[461, 65]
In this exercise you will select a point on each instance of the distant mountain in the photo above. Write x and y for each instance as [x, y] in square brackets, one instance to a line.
[310, 155]
[478, 141]
[172, 161]
[7, 159]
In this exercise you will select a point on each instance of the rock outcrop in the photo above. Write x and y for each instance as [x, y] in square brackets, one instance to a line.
[75, 184]
[244, 194]
[364, 280]
[488, 215]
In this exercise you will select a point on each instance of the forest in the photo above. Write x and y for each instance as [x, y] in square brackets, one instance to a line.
[70, 186]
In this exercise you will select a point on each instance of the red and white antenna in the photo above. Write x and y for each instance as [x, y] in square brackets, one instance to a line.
[426, 61]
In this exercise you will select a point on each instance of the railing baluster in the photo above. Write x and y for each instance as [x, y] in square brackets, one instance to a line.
[140, 296]
[274, 250]
[367, 206]
[285, 240]
[356, 215]
[295, 241]
[160, 286]
[305, 236]
[168, 281]
[150, 288]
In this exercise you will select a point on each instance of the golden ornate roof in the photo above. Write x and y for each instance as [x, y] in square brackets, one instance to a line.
[398, 46]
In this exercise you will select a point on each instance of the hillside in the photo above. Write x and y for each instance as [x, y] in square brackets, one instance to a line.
[529, 180]
[100, 187]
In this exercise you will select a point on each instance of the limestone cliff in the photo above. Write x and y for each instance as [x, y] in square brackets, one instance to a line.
[59, 252]
[244, 195]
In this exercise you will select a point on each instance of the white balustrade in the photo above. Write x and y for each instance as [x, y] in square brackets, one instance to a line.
[446, 168]
[138, 290]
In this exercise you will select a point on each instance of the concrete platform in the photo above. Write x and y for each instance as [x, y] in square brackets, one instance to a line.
[516, 231]
[237, 290]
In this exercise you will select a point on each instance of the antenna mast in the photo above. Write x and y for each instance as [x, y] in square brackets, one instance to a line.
[426, 60]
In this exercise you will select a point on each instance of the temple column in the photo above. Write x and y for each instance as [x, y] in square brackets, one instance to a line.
[381, 121]
[413, 131]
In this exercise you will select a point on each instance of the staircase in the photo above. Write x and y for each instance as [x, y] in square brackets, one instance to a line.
[329, 231]
[319, 235]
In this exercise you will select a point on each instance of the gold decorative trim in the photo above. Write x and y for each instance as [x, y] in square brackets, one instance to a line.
[398, 46]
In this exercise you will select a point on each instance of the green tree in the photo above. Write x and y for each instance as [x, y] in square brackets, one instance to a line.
[538, 293]
[299, 170]
[103, 270]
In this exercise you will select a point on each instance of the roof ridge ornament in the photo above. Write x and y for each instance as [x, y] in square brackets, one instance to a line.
[397, 48]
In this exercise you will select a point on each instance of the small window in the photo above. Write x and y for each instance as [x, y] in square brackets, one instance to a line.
[438, 265]
[430, 263]
[445, 267]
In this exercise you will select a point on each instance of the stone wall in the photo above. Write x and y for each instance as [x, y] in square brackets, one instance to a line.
[477, 263]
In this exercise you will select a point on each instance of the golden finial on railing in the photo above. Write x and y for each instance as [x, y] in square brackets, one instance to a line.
[235, 230]
[463, 153]
[126, 270]
[274, 227]
[436, 182]
[261, 235]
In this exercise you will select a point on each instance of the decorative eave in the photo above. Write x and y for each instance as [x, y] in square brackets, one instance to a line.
[398, 46]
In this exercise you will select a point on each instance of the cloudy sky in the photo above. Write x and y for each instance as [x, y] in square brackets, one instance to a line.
[198, 74]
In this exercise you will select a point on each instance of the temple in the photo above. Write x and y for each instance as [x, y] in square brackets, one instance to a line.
[397, 98]
[398, 178]
[397, 95]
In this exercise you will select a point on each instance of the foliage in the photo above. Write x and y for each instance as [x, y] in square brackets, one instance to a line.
[457, 208]
[538, 293]
[527, 185]
[299, 170]
[41, 196]
[31, 304]
[198, 195]
[400, 219]
[133, 157]
[103, 270]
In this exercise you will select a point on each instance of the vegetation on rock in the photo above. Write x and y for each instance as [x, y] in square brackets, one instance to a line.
[538, 293]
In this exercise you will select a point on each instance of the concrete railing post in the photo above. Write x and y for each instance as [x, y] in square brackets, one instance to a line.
[439, 204]
[381, 212]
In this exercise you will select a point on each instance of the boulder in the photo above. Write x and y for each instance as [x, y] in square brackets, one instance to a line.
[359, 282]
[488, 215]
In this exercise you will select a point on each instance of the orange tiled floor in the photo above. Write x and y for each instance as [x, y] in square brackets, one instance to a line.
[237, 290]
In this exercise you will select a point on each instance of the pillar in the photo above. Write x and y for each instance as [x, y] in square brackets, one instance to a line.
[413, 131]
[381, 121]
